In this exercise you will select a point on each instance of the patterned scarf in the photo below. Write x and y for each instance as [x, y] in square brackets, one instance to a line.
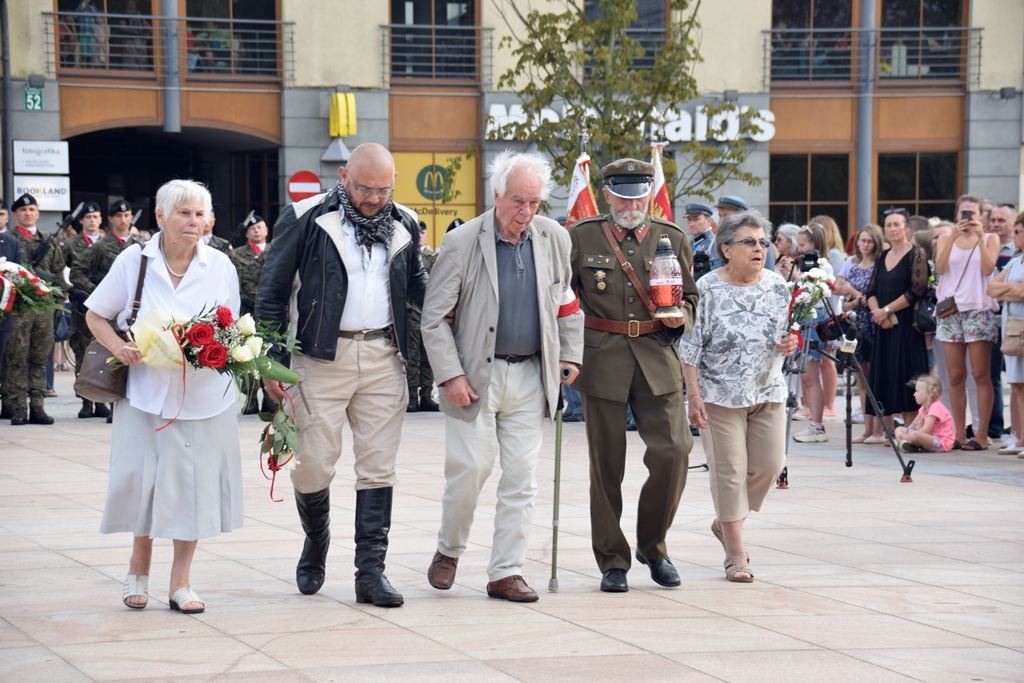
[376, 230]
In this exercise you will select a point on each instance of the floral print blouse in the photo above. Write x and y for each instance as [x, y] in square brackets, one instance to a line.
[732, 343]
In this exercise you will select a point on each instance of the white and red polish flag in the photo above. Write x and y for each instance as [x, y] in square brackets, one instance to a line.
[581, 197]
[661, 205]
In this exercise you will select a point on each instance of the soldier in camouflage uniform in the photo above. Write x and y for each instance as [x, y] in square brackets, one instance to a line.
[417, 369]
[74, 250]
[248, 262]
[218, 243]
[31, 340]
[86, 272]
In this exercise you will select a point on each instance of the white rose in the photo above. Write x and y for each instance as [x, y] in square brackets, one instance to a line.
[255, 345]
[242, 354]
[815, 273]
[246, 325]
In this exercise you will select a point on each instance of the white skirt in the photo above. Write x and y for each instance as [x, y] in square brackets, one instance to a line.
[184, 482]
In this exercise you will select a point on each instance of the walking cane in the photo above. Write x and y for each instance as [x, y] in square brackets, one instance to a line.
[553, 583]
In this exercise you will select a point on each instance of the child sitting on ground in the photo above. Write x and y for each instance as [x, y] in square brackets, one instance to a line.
[932, 429]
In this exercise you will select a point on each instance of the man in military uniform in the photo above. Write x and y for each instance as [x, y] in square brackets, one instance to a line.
[417, 370]
[248, 262]
[10, 249]
[31, 340]
[218, 243]
[630, 358]
[74, 250]
[87, 270]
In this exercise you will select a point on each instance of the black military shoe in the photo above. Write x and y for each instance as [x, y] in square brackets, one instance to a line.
[414, 402]
[86, 411]
[427, 405]
[100, 410]
[614, 581]
[38, 416]
[662, 571]
[19, 417]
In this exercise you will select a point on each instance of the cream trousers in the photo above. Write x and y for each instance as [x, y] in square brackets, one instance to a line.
[365, 384]
[508, 428]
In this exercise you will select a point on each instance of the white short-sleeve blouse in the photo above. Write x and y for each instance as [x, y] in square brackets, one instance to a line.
[210, 281]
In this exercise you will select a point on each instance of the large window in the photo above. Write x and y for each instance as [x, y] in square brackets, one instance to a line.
[924, 184]
[917, 40]
[92, 40]
[441, 41]
[805, 185]
[811, 39]
[254, 187]
[220, 40]
[648, 29]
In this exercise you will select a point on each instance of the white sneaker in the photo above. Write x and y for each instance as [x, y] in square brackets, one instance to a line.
[858, 418]
[803, 414]
[1009, 440]
[811, 435]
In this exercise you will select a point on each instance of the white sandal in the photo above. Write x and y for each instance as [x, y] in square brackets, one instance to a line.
[184, 596]
[135, 585]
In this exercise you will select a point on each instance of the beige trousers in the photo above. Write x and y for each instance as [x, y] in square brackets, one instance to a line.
[746, 451]
[365, 384]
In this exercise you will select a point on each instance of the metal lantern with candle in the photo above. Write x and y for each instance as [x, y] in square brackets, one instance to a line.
[666, 281]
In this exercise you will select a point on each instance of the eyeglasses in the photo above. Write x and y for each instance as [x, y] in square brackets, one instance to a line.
[383, 192]
[892, 209]
[751, 243]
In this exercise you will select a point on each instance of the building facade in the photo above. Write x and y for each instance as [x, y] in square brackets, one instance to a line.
[868, 103]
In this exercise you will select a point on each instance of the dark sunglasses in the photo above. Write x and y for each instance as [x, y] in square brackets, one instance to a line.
[892, 209]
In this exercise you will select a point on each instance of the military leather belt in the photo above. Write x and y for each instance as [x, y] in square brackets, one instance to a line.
[513, 357]
[631, 328]
[365, 335]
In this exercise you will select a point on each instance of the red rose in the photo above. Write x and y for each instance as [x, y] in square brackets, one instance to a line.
[213, 355]
[200, 334]
[224, 317]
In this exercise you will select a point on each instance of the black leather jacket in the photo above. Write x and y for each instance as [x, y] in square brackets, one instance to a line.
[304, 269]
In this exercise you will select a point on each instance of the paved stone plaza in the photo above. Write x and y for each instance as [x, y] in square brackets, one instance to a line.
[859, 578]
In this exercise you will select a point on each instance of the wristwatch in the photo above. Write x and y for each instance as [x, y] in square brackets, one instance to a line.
[886, 309]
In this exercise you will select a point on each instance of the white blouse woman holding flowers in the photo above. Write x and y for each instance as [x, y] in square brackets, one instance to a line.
[175, 469]
[735, 389]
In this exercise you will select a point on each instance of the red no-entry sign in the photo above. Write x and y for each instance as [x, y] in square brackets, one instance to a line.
[303, 185]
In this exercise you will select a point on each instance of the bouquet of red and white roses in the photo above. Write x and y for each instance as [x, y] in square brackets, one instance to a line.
[21, 291]
[809, 290]
[215, 340]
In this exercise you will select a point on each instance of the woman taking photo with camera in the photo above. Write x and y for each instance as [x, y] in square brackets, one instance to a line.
[812, 239]
[900, 278]
[965, 260]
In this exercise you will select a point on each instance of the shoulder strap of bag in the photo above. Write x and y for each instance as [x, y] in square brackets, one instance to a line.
[137, 304]
[627, 267]
[967, 263]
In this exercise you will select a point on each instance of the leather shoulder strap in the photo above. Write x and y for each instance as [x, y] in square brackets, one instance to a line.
[137, 303]
[627, 267]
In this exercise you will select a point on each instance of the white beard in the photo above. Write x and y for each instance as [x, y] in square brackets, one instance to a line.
[629, 220]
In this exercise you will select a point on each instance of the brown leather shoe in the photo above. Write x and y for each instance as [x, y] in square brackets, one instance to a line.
[512, 588]
[441, 573]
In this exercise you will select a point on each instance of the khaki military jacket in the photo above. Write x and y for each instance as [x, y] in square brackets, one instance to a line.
[93, 266]
[74, 249]
[604, 291]
[52, 263]
[249, 265]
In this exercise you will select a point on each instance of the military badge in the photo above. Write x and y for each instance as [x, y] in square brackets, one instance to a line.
[600, 275]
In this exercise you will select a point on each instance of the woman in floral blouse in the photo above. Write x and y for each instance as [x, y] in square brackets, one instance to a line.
[734, 383]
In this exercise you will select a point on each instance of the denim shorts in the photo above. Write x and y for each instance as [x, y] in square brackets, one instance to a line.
[964, 327]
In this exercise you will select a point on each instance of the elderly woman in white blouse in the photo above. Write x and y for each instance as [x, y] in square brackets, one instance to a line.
[734, 382]
[183, 482]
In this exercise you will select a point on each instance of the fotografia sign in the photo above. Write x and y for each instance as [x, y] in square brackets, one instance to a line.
[48, 156]
[53, 192]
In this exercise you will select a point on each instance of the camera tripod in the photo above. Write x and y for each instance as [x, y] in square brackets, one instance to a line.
[847, 359]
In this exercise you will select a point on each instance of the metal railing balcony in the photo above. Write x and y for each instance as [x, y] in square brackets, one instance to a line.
[90, 45]
[437, 54]
[947, 56]
[651, 40]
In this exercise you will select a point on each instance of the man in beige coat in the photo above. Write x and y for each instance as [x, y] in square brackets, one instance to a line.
[516, 333]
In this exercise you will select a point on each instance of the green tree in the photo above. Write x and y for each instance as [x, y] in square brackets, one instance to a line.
[609, 78]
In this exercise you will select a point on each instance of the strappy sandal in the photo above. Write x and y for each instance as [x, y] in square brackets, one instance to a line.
[184, 596]
[717, 531]
[135, 585]
[735, 566]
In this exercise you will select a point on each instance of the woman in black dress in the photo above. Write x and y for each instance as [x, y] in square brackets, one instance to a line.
[899, 279]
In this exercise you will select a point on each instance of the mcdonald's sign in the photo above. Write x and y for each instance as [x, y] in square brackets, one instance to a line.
[430, 182]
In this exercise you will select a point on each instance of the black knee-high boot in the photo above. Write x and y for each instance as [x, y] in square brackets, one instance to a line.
[373, 522]
[315, 515]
